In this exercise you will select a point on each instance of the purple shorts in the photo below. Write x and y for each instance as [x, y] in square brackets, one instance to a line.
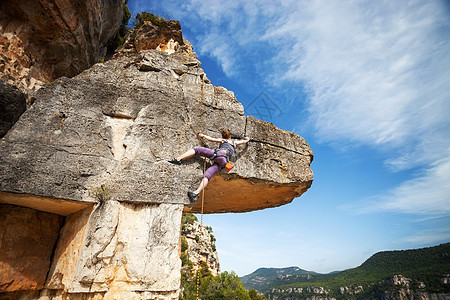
[219, 161]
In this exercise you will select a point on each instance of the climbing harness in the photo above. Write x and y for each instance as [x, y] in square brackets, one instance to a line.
[229, 165]
[201, 227]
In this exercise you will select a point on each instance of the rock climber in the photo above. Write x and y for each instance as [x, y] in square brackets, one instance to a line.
[220, 157]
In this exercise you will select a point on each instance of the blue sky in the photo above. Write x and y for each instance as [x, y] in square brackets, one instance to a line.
[367, 84]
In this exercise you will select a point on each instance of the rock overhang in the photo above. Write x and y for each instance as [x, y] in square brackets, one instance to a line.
[118, 123]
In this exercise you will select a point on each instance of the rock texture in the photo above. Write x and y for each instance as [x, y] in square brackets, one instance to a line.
[12, 106]
[201, 245]
[27, 238]
[44, 40]
[95, 148]
[119, 249]
[403, 288]
[118, 123]
[166, 36]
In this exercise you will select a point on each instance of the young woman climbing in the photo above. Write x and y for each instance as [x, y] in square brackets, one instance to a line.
[220, 157]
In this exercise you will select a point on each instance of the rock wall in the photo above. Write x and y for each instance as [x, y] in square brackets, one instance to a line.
[12, 106]
[95, 148]
[129, 251]
[201, 245]
[27, 238]
[43, 40]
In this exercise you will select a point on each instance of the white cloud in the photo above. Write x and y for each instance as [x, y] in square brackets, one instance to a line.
[378, 74]
[429, 237]
[428, 194]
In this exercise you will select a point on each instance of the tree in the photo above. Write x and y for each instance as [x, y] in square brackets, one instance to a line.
[254, 295]
[226, 286]
[145, 16]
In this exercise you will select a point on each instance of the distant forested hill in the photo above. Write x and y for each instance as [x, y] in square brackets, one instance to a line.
[425, 270]
[264, 278]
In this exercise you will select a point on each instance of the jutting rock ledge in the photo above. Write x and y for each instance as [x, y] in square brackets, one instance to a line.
[112, 129]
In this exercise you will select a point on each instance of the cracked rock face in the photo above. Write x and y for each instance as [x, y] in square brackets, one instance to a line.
[25, 251]
[119, 246]
[115, 126]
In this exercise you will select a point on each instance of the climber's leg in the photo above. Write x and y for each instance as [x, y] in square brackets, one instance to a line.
[202, 185]
[208, 175]
[187, 154]
[204, 152]
[201, 151]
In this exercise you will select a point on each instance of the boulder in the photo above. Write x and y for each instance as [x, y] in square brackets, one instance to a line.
[166, 36]
[117, 124]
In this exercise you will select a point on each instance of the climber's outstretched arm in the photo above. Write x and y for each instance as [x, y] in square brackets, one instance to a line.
[245, 140]
[211, 139]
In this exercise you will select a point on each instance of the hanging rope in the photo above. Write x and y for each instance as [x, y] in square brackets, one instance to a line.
[201, 228]
[192, 127]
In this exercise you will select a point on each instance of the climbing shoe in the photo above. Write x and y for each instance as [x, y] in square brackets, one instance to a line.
[175, 161]
[192, 196]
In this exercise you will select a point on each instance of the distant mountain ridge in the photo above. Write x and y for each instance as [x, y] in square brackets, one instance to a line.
[418, 273]
[269, 276]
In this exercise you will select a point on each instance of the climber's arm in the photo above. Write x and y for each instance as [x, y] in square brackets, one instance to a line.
[245, 140]
[211, 139]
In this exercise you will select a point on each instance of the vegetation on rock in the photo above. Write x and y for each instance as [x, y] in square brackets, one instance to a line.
[139, 19]
[226, 285]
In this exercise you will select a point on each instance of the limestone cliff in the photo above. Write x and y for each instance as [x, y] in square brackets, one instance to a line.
[198, 243]
[43, 40]
[94, 148]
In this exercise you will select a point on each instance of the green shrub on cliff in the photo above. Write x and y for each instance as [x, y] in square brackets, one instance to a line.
[139, 19]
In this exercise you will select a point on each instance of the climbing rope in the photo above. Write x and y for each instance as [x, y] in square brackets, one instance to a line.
[192, 127]
[283, 168]
[201, 228]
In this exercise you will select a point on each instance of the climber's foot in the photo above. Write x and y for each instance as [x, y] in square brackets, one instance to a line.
[175, 161]
[192, 196]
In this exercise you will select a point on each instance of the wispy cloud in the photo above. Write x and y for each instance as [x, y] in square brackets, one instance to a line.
[377, 72]
[428, 194]
[429, 237]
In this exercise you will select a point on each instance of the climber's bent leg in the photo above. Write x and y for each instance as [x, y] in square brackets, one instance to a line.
[205, 152]
[187, 154]
[202, 185]
[208, 175]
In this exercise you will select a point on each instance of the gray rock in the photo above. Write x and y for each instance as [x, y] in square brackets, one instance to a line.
[118, 125]
[12, 106]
